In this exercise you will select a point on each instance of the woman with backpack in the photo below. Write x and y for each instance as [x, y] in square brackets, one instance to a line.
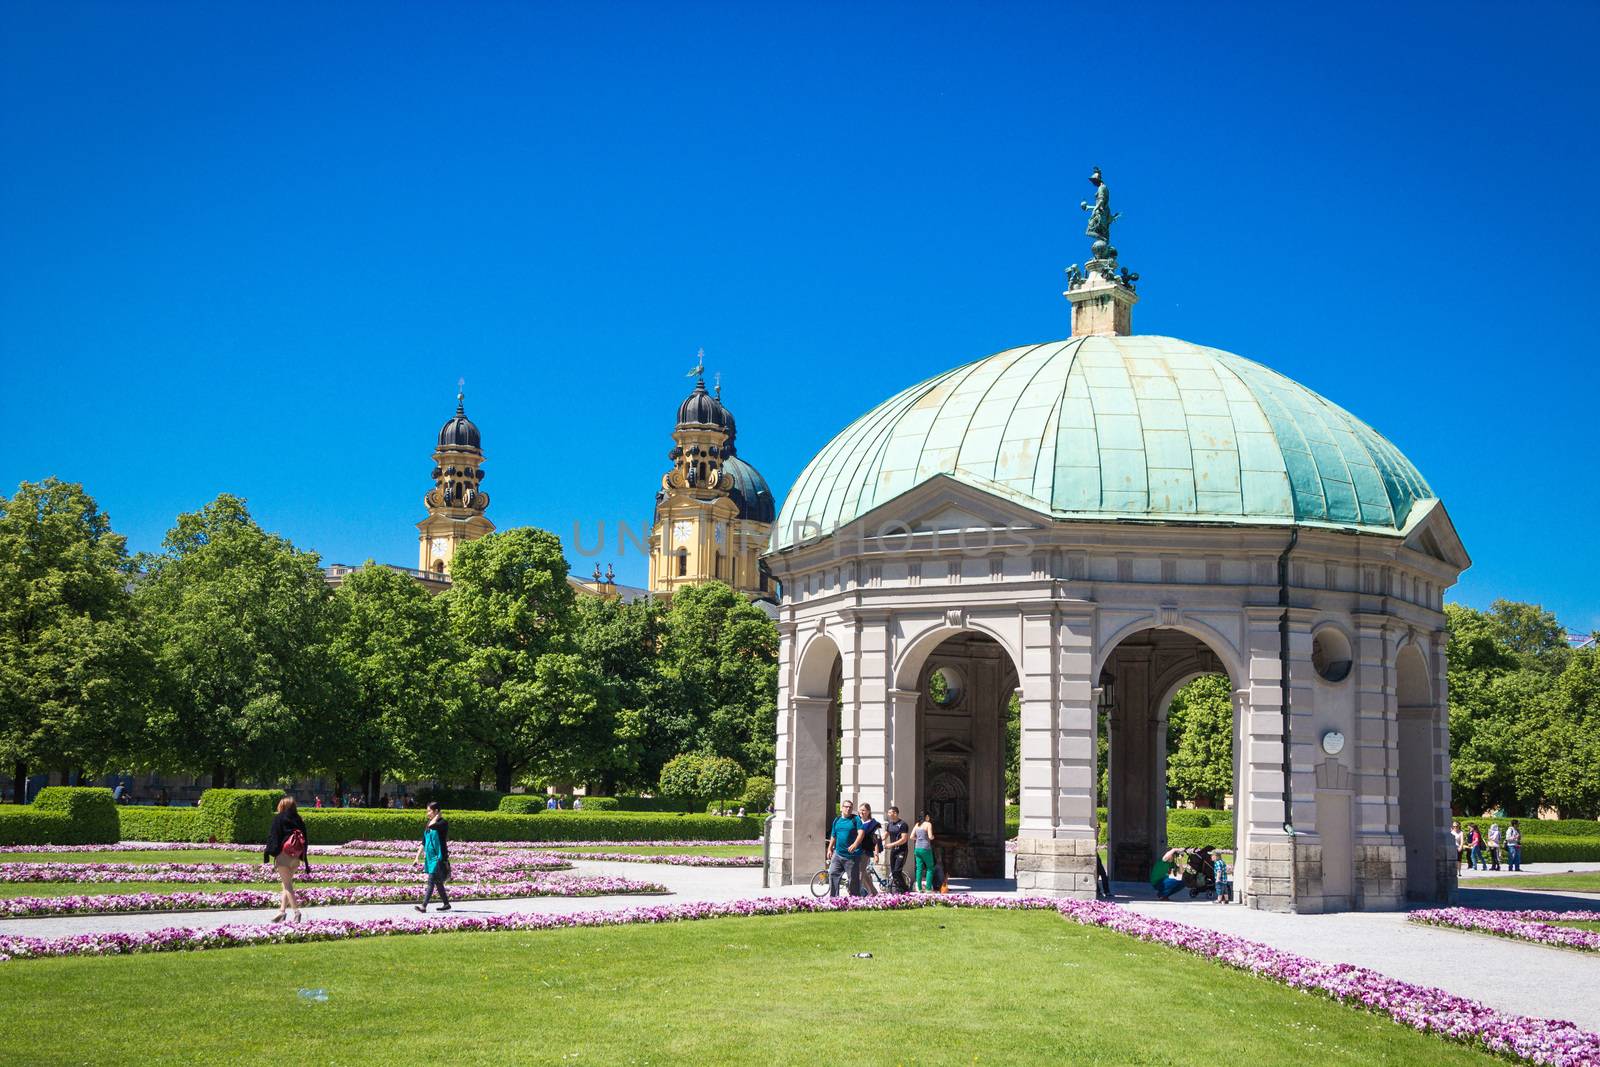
[286, 851]
[434, 855]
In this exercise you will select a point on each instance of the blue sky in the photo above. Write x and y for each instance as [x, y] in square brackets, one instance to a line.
[251, 249]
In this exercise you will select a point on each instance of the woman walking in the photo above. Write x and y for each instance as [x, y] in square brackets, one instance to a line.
[1461, 843]
[1514, 846]
[286, 850]
[1494, 846]
[922, 850]
[434, 855]
[1474, 847]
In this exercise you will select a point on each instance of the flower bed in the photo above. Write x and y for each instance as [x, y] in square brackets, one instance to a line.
[488, 869]
[1521, 925]
[540, 846]
[674, 861]
[1424, 1008]
[547, 885]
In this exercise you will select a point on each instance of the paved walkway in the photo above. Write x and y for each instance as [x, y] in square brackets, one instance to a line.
[1527, 979]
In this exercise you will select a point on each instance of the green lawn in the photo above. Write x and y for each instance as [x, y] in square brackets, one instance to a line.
[1580, 926]
[662, 850]
[198, 855]
[1575, 882]
[962, 987]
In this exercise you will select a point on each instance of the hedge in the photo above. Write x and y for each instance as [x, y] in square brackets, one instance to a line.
[241, 816]
[1559, 849]
[460, 799]
[91, 811]
[522, 804]
[649, 804]
[336, 826]
[1198, 818]
[1543, 827]
[161, 824]
[23, 824]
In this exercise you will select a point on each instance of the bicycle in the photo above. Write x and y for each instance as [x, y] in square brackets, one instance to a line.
[873, 884]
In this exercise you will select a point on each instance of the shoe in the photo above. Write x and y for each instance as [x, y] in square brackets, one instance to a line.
[444, 907]
[419, 907]
[278, 918]
[297, 915]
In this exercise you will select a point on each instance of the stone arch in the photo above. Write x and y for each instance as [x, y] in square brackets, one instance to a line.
[1220, 645]
[909, 661]
[815, 666]
[1146, 663]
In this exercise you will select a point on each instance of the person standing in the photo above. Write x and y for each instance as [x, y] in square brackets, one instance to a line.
[1494, 846]
[922, 853]
[434, 856]
[844, 848]
[1460, 840]
[869, 844]
[1474, 847]
[897, 840]
[286, 850]
[1224, 880]
[1514, 846]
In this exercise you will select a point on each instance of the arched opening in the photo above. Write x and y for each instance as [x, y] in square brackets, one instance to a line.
[965, 689]
[683, 562]
[1419, 812]
[814, 743]
[1169, 724]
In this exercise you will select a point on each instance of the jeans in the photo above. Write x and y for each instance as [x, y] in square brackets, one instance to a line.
[925, 869]
[1168, 887]
[1494, 857]
[840, 865]
[1514, 857]
[436, 881]
[897, 870]
[1475, 859]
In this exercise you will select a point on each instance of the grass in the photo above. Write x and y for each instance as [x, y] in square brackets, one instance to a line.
[9, 890]
[1572, 882]
[1580, 926]
[197, 855]
[983, 988]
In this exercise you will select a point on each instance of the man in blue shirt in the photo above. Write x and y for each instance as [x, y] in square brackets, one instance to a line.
[844, 848]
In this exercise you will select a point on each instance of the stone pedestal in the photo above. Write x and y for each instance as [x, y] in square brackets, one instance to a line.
[1101, 308]
[1056, 867]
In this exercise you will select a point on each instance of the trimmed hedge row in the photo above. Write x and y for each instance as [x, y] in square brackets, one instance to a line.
[23, 824]
[62, 815]
[1198, 817]
[337, 826]
[1559, 849]
[460, 799]
[161, 824]
[241, 816]
[1544, 827]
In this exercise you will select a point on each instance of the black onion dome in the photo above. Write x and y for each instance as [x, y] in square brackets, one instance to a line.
[700, 408]
[749, 491]
[460, 431]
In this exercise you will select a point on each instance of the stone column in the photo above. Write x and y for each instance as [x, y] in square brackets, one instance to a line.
[1058, 714]
[905, 754]
[872, 711]
[1447, 866]
[781, 845]
[1268, 849]
[1379, 848]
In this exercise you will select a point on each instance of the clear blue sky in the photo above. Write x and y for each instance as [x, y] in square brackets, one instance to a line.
[250, 248]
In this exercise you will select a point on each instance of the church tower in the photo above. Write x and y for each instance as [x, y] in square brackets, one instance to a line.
[456, 502]
[714, 511]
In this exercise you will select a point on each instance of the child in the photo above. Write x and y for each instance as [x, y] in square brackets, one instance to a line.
[1224, 881]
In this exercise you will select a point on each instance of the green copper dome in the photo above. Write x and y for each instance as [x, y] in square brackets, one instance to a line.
[1108, 428]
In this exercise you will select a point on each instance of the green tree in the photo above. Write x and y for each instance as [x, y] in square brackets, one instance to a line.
[719, 664]
[240, 617]
[74, 667]
[391, 642]
[530, 706]
[621, 642]
[720, 779]
[1200, 741]
[680, 778]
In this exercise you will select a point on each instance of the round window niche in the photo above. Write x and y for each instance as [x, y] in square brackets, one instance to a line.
[1330, 654]
[944, 686]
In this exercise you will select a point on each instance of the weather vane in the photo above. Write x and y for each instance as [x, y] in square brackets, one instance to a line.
[699, 366]
[718, 378]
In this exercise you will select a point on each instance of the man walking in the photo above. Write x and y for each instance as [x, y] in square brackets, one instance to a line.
[897, 839]
[844, 849]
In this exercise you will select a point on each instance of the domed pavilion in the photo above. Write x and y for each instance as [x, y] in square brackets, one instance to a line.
[1085, 526]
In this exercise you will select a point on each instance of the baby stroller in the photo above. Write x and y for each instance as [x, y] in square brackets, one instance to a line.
[1200, 874]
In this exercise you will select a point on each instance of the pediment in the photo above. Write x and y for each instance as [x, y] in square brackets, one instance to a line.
[950, 503]
[948, 746]
[1428, 530]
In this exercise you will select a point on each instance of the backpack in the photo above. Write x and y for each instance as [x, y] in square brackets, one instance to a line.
[295, 844]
